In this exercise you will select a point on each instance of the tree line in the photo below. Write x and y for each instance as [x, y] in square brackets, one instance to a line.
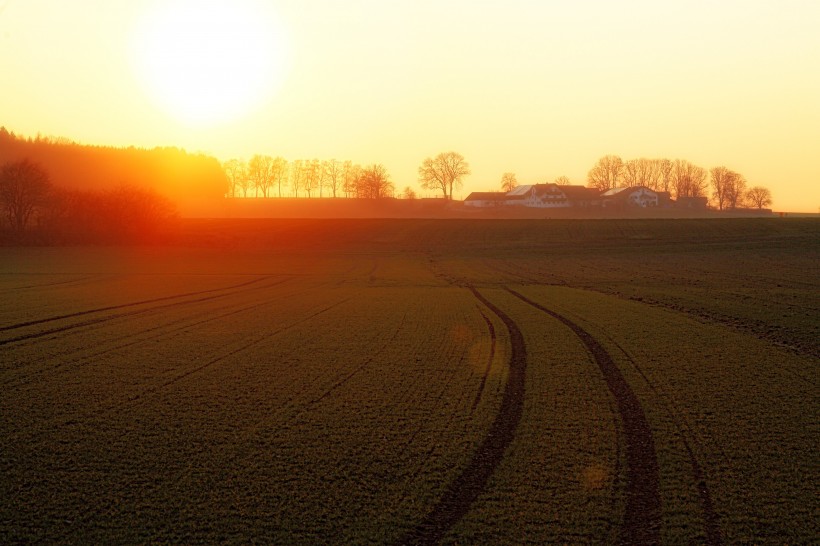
[681, 179]
[170, 171]
[36, 210]
[265, 176]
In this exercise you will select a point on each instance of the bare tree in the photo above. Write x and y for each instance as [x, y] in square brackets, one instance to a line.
[736, 191]
[280, 173]
[350, 175]
[260, 172]
[24, 187]
[724, 186]
[606, 174]
[408, 193]
[313, 176]
[562, 181]
[688, 180]
[759, 196]
[443, 172]
[236, 171]
[665, 168]
[508, 182]
[297, 176]
[335, 175]
[642, 172]
[374, 182]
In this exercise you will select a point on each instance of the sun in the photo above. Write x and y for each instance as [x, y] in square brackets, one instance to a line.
[209, 61]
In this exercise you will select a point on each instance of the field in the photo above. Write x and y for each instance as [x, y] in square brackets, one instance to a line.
[416, 381]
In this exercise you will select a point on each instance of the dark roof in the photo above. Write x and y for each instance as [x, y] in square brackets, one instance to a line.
[486, 196]
[579, 192]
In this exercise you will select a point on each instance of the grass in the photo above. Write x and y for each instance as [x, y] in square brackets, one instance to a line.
[303, 381]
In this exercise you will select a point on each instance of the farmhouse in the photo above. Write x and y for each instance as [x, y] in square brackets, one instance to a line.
[635, 196]
[552, 196]
[485, 199]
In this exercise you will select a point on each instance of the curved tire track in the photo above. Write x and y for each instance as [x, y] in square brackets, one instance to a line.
[711, 521]
[642, 515]
[106, 318]
[465, 489]
[125, 305]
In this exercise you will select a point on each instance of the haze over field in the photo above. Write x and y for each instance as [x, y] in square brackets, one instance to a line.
[542, 89]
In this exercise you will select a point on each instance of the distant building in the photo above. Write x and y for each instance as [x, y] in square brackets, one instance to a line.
[634, 196]
[484, 199]
[552, 196]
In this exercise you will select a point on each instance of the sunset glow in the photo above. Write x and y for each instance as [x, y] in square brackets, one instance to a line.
[540, 89]
[206, 62]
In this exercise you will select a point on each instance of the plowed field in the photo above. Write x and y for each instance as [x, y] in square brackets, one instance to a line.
[416, 381]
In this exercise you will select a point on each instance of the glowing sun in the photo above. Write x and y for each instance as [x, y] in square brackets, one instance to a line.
[209, 61]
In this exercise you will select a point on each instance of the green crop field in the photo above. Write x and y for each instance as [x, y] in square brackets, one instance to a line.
[414, 382]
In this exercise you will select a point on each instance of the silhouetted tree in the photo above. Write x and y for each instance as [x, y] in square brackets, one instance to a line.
[297, 176]
[725, 186]
[443, 172]
[24, 188]
[408, 193]
[237, 173]
[606, 174]
[759, 196]
[688, 180]
[642, 172]
[280, 172]
[313, 176]
[736, 191]
[508, 182]
[260, 172]
[562, 181]
[374, 182]
[350, 177]
[334, 175]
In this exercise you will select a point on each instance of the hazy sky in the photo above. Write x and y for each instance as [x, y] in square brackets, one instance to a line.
[540, 88]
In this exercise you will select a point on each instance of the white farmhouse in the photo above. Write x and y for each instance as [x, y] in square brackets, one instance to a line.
[635, 196]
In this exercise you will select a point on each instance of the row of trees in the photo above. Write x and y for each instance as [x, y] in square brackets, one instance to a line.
[266, 176]
[680, 179]
[30, 202]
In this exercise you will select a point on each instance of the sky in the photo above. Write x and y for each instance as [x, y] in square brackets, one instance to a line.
[541, 88]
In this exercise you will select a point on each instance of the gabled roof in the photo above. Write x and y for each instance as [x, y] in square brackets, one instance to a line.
[615, 192]
[579, 192]
[485, 196]
[520, 190]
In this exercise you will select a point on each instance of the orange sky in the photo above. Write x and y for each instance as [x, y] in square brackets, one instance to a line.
[540, 88]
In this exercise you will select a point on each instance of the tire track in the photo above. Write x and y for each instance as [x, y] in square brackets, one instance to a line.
[106, 318]
[125, 305]
[711, 521]
[137, 398]
[490, 359]
[465, 489]
[145, 336]
[642, 515]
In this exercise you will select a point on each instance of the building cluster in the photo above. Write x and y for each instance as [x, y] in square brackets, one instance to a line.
[568, 196]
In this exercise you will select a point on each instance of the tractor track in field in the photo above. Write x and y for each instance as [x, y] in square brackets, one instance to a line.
[125, 305]
[164, 330]
[493, 341]
[240, 452]
[137, 398]
[711, 522]
[460, 494]
[45, 285]
[423, 460]
[642, 515]
[106, 318]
